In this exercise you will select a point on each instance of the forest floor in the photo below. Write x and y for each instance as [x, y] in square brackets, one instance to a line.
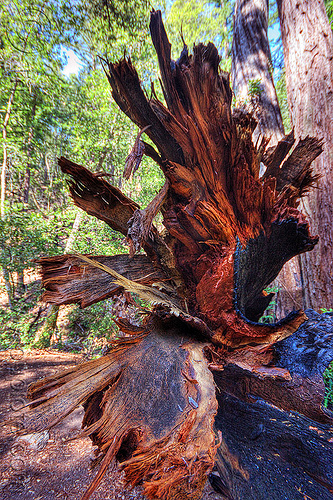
[61, 469]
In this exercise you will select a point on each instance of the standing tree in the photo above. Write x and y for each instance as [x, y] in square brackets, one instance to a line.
[252, 70]
[252, 74]
[150, 402]
[308, 53]
[254, 85]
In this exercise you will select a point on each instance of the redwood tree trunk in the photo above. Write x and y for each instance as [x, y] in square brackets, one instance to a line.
[252, 66]
[308, 53]
[251, 60]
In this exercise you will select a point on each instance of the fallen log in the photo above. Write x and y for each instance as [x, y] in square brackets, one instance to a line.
[269, 452]
[277, 436]
[150, 401]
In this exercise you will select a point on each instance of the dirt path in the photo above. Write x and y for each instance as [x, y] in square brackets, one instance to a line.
[60, 470]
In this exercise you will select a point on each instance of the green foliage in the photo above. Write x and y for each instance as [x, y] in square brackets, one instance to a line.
[18, 325]
[90, 330]
[94, 321]
[329, 10]
[328, 379]
[281, 91]
[269, 315]
[25, 236]
[109, 27]
[324, 310]
[254, 88]
[95, 237]
[146, 183]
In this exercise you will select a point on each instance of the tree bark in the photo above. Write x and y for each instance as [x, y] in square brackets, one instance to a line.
[26, 187]
[8, 286]
[270, 439]
[158, 392]
[69, 280]
[252, 70]
[251, 62]
[308, 52]
[5, 149]
[20, 283]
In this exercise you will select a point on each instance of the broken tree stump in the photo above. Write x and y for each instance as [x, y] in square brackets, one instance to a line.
[151, 402]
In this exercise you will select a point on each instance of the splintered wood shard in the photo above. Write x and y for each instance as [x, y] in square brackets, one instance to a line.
[150, 294]
[97, 197]
[67, 279]
[140, 225]
[133, 160]
[156, 296]
[295, 171]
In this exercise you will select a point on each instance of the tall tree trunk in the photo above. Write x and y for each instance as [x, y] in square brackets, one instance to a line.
[8, 286]
[252, 71]
[20, 289]
[26, 187]
[76, 226]
[251, 62]
[5, 149]
[5, 271]
[308, 53]
[44, 334]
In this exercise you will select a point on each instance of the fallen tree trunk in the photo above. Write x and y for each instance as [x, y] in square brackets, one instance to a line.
[150, 402]
[269, 452]
[277, 436]
[163, 436]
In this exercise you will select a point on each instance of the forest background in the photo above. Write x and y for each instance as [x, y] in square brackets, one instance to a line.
[46, 114]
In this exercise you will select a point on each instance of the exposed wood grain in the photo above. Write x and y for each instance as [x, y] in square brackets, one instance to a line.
[67, 280]
[163, 435]
[150, 401]
[97, 197]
